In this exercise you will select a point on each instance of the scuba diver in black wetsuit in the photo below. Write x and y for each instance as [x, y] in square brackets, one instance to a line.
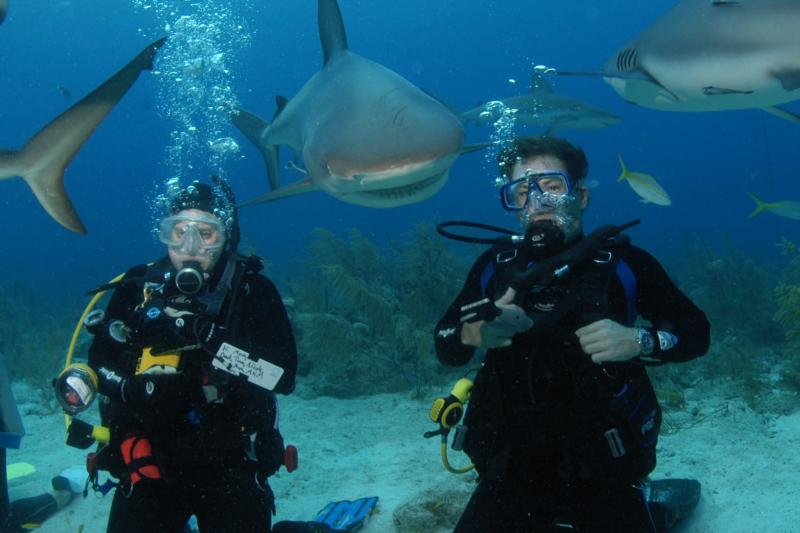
[562, 421]
[188, 356]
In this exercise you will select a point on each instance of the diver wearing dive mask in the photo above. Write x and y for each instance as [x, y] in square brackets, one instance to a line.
[563, 422]
[548, 202]
[195, 240]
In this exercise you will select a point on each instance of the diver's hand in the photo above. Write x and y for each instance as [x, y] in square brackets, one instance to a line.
[607, 341]
[498, 332]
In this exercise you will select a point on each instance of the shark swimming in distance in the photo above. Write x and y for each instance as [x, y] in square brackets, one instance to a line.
[3, 10]
[545, 107]
[43, 159]
[713, 55]
[365, 134]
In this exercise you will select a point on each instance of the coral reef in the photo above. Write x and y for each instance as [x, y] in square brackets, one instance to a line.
[34, 332]
[734, 290]
[787, 296]
[749, 347]
[364, 317]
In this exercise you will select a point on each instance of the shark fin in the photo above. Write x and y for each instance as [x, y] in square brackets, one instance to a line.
[280, 103]
[474, 147]
[639, 74]
[789, 78]
[331, 29]
[254, 128]
[42, 161]
[783, 113]
[710, 90]
[539, 84]
[293, 189]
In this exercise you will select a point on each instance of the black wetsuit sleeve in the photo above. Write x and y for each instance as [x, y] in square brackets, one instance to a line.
[269, 332]
[669, 310]
[447, 335]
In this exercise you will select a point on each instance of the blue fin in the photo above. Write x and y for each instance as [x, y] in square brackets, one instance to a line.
[347, 515]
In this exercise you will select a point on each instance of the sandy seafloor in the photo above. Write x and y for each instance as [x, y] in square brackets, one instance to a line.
[748, 463]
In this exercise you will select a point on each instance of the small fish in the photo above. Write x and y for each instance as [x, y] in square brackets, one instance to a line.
[786, 208]
[64, 92]
[644, 185]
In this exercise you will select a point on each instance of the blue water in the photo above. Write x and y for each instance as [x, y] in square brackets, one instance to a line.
[463, 51]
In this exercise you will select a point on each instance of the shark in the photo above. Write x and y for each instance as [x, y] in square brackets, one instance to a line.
[3, 10]
[713, 55]
[542, 106]
[43, 159]
[365, 134]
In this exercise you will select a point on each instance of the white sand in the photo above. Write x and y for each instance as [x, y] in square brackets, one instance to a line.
[749, 464]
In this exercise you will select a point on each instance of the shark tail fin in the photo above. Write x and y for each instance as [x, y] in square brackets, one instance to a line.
[46, 182]
[42, 161]
[254, 128]
[624, 173]
[331, 29]
[761, 205]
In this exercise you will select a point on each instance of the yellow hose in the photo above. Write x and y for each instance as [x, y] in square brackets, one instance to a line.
[74, 340]
[446, 463]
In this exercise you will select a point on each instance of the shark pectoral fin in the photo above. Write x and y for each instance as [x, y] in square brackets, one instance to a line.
[474, 147]
[789, 78]
[710, 90]
[255, 129]
[783, 113]
[48, 187]
[300, 187]
[42, 161]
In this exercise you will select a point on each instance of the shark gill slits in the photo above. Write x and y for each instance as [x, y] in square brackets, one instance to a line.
[627, 60]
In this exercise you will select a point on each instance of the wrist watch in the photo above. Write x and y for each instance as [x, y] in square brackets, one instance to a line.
[645, 340]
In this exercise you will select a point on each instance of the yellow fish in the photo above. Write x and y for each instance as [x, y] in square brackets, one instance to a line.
[644, 185]
[786, 208]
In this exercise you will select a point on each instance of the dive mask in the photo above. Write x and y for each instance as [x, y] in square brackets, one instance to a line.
[537, 189]
[192, 235]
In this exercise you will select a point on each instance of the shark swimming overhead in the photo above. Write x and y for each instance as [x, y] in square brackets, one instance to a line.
[544, 107]
[43, 159]
[710, 55]
[366, 135]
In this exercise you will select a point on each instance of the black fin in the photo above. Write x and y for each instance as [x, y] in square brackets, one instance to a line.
[280, 103]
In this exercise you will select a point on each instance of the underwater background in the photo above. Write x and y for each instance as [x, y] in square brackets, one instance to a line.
[366, 286]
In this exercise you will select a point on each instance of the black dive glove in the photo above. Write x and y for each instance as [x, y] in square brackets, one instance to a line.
[266, 449]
